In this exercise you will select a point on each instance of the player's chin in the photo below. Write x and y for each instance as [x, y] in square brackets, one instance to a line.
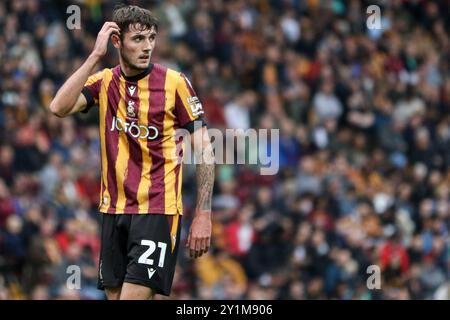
[142, 63]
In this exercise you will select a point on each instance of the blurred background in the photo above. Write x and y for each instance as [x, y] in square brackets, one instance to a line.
[364, 119]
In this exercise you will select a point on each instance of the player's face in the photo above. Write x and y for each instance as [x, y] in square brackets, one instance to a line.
[137, 47]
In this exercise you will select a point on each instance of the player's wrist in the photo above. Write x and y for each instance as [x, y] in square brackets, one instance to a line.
[202, 212]
[95, 57]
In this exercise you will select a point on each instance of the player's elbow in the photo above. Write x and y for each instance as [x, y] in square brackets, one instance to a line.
[56, 109]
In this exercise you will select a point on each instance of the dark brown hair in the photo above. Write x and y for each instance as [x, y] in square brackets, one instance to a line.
[126, 15]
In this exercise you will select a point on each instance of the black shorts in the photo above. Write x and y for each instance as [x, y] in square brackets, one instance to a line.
[140, 249]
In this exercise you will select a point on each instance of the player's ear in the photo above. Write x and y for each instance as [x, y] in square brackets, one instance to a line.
[115, 39]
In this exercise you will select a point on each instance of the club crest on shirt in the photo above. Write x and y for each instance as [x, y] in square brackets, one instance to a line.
[130, 109]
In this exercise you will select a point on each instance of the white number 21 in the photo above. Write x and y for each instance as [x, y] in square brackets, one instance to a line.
[144, 258]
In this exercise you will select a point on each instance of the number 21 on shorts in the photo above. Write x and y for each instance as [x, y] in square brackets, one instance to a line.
[145, 257]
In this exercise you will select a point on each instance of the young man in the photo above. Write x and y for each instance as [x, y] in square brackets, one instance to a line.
[141, 105]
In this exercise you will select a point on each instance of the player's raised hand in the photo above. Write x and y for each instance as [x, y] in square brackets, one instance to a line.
[101, 44]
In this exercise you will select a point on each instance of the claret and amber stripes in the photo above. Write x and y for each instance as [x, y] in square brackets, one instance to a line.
[138, 119]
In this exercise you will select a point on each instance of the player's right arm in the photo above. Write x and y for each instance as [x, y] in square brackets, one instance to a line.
[69, 99]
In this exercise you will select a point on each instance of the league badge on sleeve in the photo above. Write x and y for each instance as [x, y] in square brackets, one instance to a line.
[195, 105]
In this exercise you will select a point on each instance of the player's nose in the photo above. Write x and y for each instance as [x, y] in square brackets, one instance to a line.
[147, 46]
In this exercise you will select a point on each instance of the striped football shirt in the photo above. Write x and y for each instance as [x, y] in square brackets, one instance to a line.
[138, 117]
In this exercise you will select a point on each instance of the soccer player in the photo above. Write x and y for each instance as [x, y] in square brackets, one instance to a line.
[141, 104]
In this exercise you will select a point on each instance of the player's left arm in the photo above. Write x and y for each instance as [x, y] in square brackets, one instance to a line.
[199, 239]
[189, 112]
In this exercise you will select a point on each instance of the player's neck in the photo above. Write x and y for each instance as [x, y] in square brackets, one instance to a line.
[134, 74]
[129, 71]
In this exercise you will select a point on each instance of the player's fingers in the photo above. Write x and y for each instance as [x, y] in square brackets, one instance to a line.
[192, 250]
[198, 244]
[111, 24]
[112, 29]
[203, 246]
[192, 246]
[188, 240]
[207, 244]
[198, 247]
[106, 25]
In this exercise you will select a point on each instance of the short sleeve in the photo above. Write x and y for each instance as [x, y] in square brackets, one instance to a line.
[91, 89]
[188, 108]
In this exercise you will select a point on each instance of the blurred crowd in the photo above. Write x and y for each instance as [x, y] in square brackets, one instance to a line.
[364, 154]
